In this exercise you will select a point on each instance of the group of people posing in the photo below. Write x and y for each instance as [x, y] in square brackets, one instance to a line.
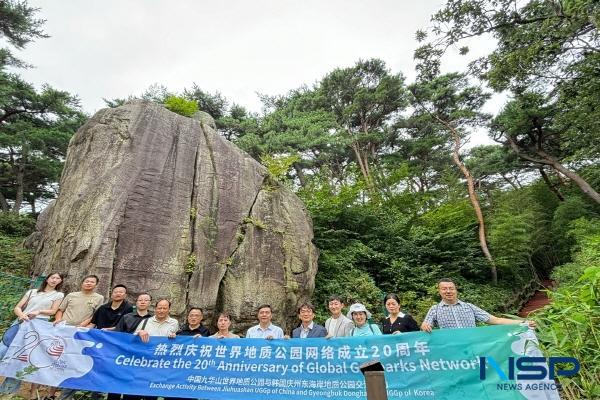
[86, 308]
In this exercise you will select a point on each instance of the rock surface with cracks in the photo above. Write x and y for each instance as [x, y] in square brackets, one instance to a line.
[163, 204]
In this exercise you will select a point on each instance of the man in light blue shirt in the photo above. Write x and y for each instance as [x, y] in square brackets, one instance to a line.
[265, 329]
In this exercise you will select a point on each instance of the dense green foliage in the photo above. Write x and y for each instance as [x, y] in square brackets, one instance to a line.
[383, 169]
[571, 324]
[15, 262]
[35, 125]
[181, 106]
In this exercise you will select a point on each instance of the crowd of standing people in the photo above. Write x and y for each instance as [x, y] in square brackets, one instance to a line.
[86, 308]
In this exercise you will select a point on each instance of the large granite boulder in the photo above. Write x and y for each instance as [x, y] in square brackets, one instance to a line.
[163, 204]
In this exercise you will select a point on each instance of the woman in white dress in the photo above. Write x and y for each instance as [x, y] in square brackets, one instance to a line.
[39, 303]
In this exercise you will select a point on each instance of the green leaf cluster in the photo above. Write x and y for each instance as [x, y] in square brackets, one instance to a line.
[569, 325]
[181, 106]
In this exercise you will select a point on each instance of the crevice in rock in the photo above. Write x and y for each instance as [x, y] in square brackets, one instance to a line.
[241, 228]
[213, 208]
[193, 213]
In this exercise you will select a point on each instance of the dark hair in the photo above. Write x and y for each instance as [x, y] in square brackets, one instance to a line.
[91, 276]
[224, 314]
[264, 306]
[195, 308]
[446, 280]
[306, 304]
[335, 297]
[392, 296]
[117, 286]
[144, 294]
[45, 283]
[163, 299]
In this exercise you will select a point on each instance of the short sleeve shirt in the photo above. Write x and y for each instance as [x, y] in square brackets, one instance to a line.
[41, 301]
[159, 328]
[78, 306]
[458, 315]
[107, 317]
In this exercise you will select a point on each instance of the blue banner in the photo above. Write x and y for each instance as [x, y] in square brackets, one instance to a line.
[442, 365]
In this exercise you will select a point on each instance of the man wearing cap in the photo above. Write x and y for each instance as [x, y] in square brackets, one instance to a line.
[360, 315]
[454, 313]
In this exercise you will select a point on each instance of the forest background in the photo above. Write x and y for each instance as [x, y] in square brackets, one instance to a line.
[398, 197]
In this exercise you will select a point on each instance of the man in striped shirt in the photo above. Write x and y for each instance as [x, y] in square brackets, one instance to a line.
[454, 313]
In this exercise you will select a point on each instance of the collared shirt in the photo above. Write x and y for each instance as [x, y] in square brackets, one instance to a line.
[403, 323]
[200, 330]
[256, 332]
[159, 328]
[305, 331]
[107, 317]
[458, 315]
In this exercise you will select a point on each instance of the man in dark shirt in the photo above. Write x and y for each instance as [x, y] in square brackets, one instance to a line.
[108, 315]
[130, 321]
[194, 326]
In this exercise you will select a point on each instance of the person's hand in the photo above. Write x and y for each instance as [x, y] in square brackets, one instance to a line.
[108, 329]
[196, 336]
[57, 322]
[172, 335]
[426, 327]
[329, 336]
[144, 335]
[286, 336]
[531, 324]
[396, 333]
[270, 337]
[24, 317]
[33, 314]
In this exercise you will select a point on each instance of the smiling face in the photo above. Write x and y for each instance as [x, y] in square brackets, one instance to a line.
[359, 318]
[161, 311]
[392, 306]
[306, 315]
[448, 292]
[89, 284]
[264, 316]
[335, 307]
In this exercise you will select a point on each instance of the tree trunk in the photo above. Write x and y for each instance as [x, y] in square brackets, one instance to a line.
[583, 185]
[300, 174]
[547, 159]
[363, 163]
[550, 185]
[472, 197]
[19, 174]
[32, 203]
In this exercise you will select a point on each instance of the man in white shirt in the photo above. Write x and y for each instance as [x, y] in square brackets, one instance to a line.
[265, 329]
[338, 325]
[161, 324]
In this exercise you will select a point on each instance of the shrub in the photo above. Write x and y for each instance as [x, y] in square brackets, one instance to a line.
[181, 106]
